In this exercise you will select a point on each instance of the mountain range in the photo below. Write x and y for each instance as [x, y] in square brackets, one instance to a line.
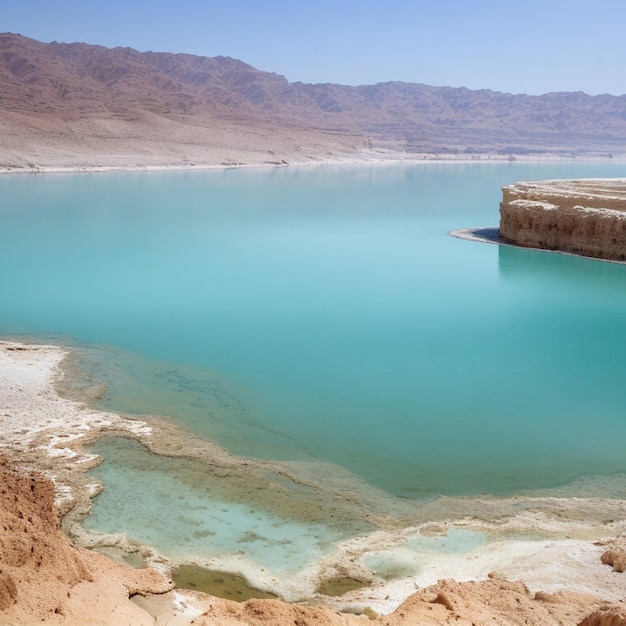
[62, 103]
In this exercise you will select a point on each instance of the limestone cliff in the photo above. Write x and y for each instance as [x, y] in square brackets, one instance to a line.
[586, 217]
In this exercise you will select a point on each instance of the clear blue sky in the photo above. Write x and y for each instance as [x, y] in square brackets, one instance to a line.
[522, 46]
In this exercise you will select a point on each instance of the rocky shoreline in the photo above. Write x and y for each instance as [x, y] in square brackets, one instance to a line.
[46, 578]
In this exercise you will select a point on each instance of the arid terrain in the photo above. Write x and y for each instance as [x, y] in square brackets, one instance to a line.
[79, 105]
[45, 579]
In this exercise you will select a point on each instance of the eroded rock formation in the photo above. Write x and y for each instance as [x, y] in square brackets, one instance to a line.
[46, 579]
[585, 217]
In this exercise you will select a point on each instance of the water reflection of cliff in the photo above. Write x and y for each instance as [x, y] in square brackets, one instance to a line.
[544, 266]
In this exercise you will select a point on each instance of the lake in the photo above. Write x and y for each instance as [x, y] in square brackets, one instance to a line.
[324, 314]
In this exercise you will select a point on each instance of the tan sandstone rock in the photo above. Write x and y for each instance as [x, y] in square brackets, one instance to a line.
[45, 579]
[585, 217]
[606, 616]
[615, 556]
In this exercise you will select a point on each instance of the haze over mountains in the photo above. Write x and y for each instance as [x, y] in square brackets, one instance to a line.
[64, 104]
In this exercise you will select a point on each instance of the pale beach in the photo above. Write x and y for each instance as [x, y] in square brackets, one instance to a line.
[48, 433]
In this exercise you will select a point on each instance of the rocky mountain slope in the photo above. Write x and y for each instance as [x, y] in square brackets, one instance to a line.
[87, 97]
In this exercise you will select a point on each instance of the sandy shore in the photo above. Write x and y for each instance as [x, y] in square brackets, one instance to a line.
[553, 544]
[115, 163]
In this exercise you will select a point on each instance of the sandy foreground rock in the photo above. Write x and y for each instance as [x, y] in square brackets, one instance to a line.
[44, 578]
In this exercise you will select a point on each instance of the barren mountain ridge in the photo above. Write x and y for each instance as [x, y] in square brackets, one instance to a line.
[77, 100]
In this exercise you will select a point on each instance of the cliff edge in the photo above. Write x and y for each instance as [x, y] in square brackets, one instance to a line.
[585, 217]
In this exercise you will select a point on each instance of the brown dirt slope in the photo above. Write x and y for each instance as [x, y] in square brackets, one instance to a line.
[44, 578]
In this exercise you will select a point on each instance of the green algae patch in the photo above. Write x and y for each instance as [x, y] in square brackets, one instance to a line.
[340, 585]
[215, 583]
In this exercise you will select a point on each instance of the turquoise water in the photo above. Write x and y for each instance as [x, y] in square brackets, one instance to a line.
[199, 521]
[324, 313]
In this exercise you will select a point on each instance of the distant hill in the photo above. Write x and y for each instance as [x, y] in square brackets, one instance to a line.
[65, 100]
